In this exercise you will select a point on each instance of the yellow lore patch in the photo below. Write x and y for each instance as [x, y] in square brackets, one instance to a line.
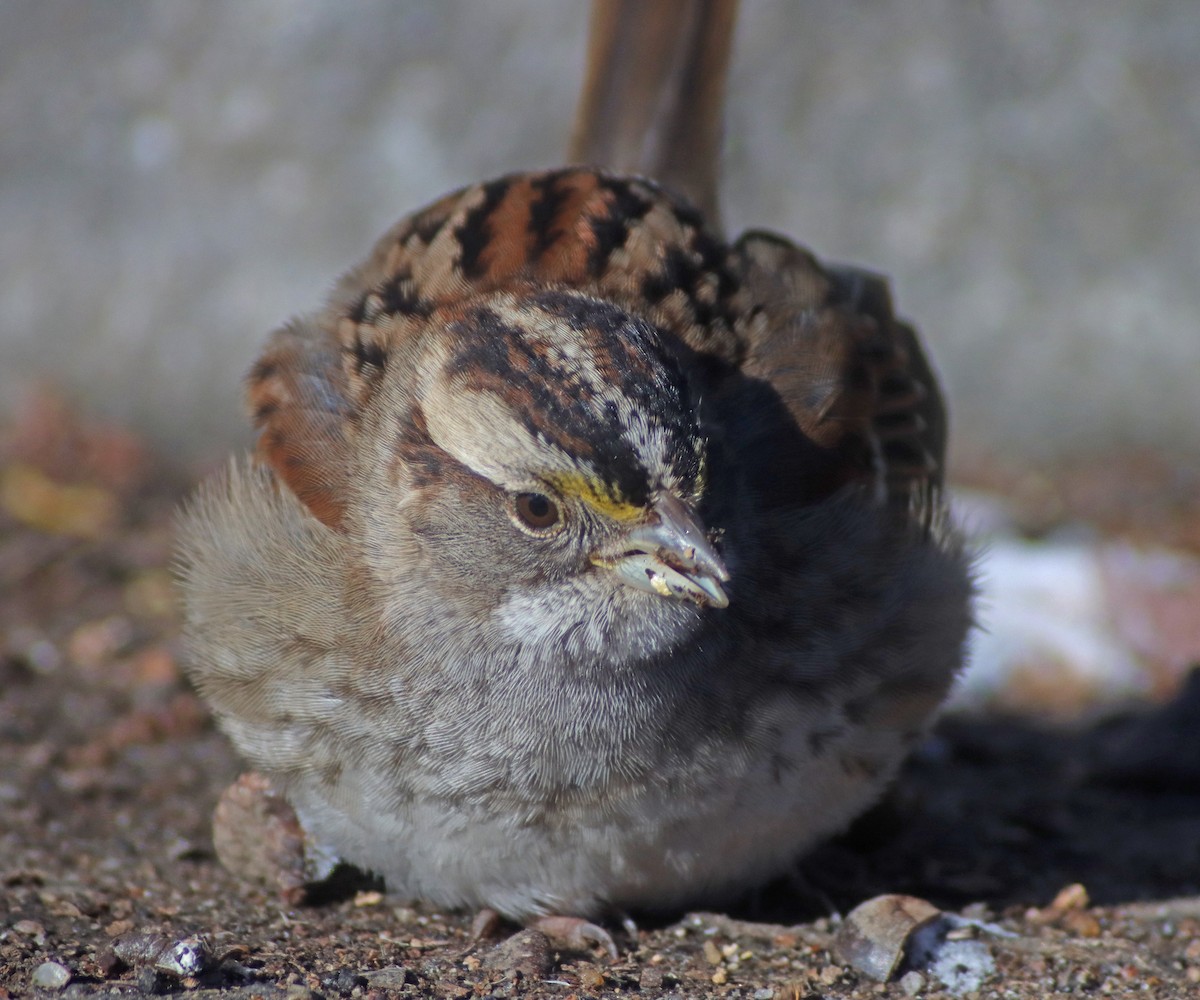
[596, 494]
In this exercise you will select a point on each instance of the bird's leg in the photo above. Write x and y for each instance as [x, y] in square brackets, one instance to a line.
[570, 932]
[485, 925]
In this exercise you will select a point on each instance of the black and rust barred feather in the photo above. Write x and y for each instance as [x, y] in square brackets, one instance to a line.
[851, 376]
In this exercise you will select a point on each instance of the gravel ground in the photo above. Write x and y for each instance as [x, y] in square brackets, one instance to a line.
[1068, 856]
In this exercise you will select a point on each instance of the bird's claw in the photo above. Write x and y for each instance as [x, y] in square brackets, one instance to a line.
[576, 933]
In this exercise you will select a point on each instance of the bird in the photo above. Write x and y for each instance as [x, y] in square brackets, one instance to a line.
[587, 561]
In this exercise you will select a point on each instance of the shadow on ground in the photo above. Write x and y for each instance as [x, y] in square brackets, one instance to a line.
[1008, 812]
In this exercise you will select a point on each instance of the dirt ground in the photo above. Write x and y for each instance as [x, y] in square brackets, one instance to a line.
[109, 769]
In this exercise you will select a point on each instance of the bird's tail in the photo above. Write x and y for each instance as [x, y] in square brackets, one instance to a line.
[654, 92]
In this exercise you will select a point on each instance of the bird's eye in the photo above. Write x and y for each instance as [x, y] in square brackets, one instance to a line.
[536, 511]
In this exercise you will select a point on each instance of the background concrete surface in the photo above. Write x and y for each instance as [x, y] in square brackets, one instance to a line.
[176, 178]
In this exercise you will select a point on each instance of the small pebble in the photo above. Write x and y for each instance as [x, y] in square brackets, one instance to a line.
[591, 978]
[51, 976]
[962, 966]
[1081, 923]
[391, 977]
[830, 974]
[875, 935]
[180, 958]
[766, 993]
[527, 952]
[29, 928]
[912, 983]
[1071, 897]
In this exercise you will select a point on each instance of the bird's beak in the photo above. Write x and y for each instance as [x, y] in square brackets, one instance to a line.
[669, 555]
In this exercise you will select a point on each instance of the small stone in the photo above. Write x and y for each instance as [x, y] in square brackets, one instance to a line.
[962, 966]
[912, 983]
[720, 977]
[1081, 923]
[153, 983]
[258, 837]
[875, 934]
[712, 954]
[390, 977]
[976, 911]
[766, 993]
[110, 965]
[1068, 910]
[175, 957]
[527, 952]
[51, 976]
[591, 978]
[830, 974]
[65, 908]
[650, 979]
[345, 981]
[1071, 897]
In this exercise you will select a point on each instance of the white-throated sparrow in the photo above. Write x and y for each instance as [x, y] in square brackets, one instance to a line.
[587, 560]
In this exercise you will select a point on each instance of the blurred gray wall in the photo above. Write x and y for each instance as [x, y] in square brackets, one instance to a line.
[177, 177]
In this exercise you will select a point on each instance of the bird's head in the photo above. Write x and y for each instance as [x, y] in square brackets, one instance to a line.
[552, 459]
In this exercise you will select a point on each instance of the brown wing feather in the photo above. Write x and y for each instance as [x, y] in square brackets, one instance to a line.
[852, 375]
[297, 395]
[909, 416]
